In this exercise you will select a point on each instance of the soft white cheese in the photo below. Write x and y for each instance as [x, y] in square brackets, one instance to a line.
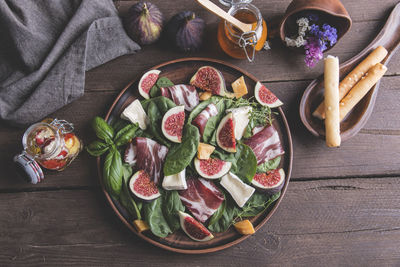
[175, 181]
[241, 117]
[239, 191]
[136, 114]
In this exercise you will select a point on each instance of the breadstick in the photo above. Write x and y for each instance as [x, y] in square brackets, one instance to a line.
[361, 89]
[331, 81]
[354, 76]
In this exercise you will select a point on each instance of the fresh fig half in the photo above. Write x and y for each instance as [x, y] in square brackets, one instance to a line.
[271, 182]
[193, 228]
[212, 168]
[210, 79]
[226, 133]
[172, 123]
[147, 81]
[265, 97]
[142, 187]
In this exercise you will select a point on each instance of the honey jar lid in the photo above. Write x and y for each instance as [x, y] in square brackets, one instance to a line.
[28, 168]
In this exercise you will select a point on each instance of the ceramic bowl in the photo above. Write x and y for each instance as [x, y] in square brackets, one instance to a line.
[332, 11]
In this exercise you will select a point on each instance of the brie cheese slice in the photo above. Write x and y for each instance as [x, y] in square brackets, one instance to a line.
[239, 191]
[136, 114]
[175, 181]
[241, 117]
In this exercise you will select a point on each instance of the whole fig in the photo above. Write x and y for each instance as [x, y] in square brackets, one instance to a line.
[185, 31]
[144, 23]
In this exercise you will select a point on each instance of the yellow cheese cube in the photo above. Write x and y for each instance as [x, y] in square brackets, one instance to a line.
[244, 227]
[204, 151]
[141, 225]
[239, 87]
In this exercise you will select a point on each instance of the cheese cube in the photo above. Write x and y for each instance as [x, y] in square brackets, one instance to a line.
[136, 114]
[239, 191]
[175, 181]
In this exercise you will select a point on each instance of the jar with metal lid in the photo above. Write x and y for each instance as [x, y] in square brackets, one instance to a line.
[50, 143]
[238, 44]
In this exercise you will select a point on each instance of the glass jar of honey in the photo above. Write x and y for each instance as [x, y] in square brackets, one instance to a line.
[52, 144]
[238, 44]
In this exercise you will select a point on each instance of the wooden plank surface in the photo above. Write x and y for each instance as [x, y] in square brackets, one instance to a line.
[323, 220]
[340, 222]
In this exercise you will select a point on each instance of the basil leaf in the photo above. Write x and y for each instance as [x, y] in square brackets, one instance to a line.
[171, 205]
[162, 103]
[126, 134]
[244, 162]
[154, 91]
[112, 172]
[118, 123]
[103, 130]
[269, 165]
[164, 82]
[97, 148]
[180, 155]
[125, 197]
[155, 218]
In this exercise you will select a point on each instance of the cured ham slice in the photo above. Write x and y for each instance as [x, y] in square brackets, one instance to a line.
[184, 95]
[165, 92]
[148, 155]
[201, 120]
[265, 144]
[202, 198]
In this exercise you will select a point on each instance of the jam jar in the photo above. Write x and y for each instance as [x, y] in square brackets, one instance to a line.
[51, 144]
[238, 44]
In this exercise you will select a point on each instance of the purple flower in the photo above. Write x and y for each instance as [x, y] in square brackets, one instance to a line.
[329, 34]
[314, 30]
[313, 52]
[312, 17]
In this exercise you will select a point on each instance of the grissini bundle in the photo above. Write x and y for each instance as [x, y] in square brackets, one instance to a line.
[354, 76]
[332, 121]
[361, 89]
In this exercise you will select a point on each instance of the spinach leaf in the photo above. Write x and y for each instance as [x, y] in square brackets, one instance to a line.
[199, 108]
[125, 197]
[126, 134]
[218, 214]
[269, 165]
[155, 118]
[112, 172]
[171, 205]
[180, 155]
[163, 103]
[212, 123]
[227, 217]
[244, 162]
[97, 148]
[103, 130]
[155, 218]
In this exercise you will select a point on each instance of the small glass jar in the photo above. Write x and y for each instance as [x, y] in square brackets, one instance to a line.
[52, 144]
[241, 45]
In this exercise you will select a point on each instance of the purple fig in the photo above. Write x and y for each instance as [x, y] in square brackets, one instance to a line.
[185, 31]
[144, 23]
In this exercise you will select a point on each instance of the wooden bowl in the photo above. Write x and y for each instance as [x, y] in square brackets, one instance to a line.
[180, 71]
[333, 12]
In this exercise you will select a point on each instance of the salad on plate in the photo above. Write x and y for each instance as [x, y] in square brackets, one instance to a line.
[194, 156]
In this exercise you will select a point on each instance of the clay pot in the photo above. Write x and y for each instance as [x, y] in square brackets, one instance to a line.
[333, 12]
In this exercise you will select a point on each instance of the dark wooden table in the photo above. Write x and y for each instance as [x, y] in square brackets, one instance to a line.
[342, 206]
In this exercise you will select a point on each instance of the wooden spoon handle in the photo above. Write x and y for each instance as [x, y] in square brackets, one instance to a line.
[210, 6]
[388, 37]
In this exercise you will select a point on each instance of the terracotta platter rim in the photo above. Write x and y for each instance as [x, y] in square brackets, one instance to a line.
[288, 153]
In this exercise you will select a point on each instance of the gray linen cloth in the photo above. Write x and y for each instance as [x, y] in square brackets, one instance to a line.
[45, 48]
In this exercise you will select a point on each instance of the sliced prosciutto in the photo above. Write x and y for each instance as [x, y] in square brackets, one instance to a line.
[201, 120]
[165, 92]
[202, 198]
[148, 155]
[265, 144]
[184, 95]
